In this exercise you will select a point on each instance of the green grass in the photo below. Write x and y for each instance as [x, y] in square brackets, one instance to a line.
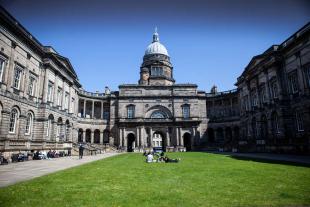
[200, 179]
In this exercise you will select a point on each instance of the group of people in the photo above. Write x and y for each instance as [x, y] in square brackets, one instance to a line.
[156, 157]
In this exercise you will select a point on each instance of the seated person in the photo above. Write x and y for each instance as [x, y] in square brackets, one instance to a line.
[167, 159]
[149, 158]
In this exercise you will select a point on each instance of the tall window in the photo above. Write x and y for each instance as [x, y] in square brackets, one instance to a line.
[49, 123]
[263, 94]
[2, 63]
[156, 71]
[67, 100]
[17, 77]
[73, 105]
[254, 98]
[29, 124]
[293, 82]
[299, 122]
[31, 85]
[13, 120]
[186, 111]
[274, 89]
[308, 75]
[50, 91]
[131, 112]
[106, 113]
[59, 96]
[275, 123]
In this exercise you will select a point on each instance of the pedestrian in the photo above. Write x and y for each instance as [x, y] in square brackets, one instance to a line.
[81, 149]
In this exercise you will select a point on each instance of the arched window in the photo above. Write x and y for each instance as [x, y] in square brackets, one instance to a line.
[29, 124]
[13, 120]
[158, 115]
[299, 122]
[186, 111]
[130, 111]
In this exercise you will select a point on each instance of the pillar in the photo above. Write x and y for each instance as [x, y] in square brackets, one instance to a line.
[93, 109]
[101, 114]
[142, 134]
[181, 138]
[84, 111]
[151, 137]
[92, 137]
[124, 138]
[101, 137]
[84, 136]
[138, 137]
[177, 136]
[167, 138]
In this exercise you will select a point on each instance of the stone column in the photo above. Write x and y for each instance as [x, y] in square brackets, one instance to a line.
[101, 137]
[120, 137]
[101, 113]
[138, 137]
[55, 98]
[151, 137]
[92, 137]
[84, 136]
[177, 136]
[84, 112]
[142, 134]
[181, 138]
[167, 138]
[124, 138]
[93, 109]
[195, 138]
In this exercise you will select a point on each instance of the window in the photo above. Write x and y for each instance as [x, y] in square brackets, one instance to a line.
[263, 94]
[31, 85]
[131, 112]
[17, 77]
[254, 98]
[274, 89]
[59, 96]
[308, 75]
[293, 82]
[49, 124]
[158, 115]
[29, 124]
[67, 100]
[73, 105]
[50, 91]
[186, 111]
[299, 122]
[156, 71]
[106, 113]
[246, 102]
[275, 123]
[13, 120]
[2, 63]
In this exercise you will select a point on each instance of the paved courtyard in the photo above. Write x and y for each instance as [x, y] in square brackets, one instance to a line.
[21, 171]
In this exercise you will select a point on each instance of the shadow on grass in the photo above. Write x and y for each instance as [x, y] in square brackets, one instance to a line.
[263, 160]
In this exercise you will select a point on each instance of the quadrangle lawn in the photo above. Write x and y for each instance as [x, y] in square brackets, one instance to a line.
[200, 179]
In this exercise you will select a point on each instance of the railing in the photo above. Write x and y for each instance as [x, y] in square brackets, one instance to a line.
[221, 93]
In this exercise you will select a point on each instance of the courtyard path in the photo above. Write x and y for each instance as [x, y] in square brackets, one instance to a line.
[21, 171]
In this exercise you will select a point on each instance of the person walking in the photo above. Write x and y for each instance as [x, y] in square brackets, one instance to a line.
[81, 149]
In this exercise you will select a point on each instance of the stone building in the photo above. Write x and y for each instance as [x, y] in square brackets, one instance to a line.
[274, 90]
[43, 106]
[223, 113]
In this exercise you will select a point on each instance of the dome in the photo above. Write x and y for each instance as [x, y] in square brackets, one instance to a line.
[156, 47]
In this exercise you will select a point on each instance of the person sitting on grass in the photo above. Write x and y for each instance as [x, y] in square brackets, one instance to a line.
[149, 158]
[167, 159]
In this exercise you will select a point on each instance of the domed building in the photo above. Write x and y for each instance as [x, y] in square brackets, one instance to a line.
[157, 112]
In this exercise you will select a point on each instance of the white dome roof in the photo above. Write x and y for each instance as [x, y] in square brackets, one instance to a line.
[156, 47]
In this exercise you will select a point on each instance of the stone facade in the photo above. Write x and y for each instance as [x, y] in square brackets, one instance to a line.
[43, 105]
[274, 90]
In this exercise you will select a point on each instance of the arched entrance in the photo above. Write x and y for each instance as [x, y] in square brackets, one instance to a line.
[187, 141]
[97, 136]
[211, 135]
[158, 140]
[88, 135]
[80, 135]
[130, 142]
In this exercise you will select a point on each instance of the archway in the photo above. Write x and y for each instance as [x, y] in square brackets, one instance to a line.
[228, 134]
[158, 140]
[264, 127]
[130, 142]
[106, 136]
[187, 141]
[88, 135]
[219, 135]
[236, 133]
[80, 135]
[210, 135]
[97, 136]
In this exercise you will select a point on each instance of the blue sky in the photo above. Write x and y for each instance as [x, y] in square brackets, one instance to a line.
[209, 42]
